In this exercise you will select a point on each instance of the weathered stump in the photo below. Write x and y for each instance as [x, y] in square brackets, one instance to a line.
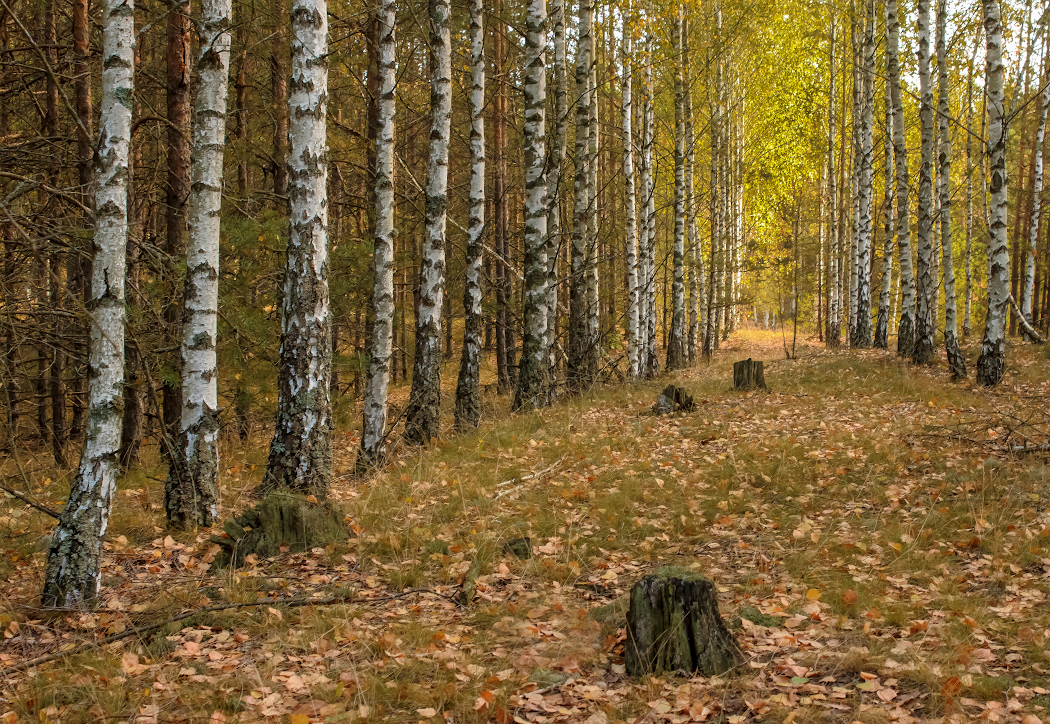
[673, 624]
[281, 519]
[749, 375]
[673, 399]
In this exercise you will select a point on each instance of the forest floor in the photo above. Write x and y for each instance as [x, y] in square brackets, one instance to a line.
[879, 537]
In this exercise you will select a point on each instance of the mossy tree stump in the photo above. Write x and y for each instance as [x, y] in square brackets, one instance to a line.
[281, 519]
[673, 624]
[749, 374]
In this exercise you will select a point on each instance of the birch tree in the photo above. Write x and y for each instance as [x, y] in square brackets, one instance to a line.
[991, 365]
[1028, 285]
[422, 417]
[74, 559]
[697, 285]
[676, 337]
[196, 470]
[861, 337]
[373, 434]
[926, 291]
[834, 333]
[301, 450]
[906, 326]
[468, 401]
[554, 177]
[582, 360]
[630, 208]
[650, 360]
[882, 324]
[532, 369]
[956, 360]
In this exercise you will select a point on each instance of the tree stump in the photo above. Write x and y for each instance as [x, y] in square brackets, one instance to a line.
[282, 518]
[749, 375]
[673, 624]
[673, 399]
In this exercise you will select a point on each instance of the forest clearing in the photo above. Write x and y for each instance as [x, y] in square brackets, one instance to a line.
[879, 551]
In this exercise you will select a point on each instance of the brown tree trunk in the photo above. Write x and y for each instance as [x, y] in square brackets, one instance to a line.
[80, 265]
[501, 221]
[179, 65]
[279, 91]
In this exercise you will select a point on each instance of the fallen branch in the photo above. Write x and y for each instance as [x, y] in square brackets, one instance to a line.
[42, 508]
[536, 474]
[1028, 328]
[289, 602]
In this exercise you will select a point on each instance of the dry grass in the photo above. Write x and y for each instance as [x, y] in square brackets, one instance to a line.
[835, 504]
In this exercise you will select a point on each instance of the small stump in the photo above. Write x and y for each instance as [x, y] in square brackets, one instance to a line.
[673, 399]
[749, 375]
[673, 624]
[282, 518]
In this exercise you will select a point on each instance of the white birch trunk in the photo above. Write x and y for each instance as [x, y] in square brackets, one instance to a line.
[969, 197]
[554, 177]
[196, 491]
[422, 416]
[991, 365]
[697, 286]
[631, 212]
[532, 369]
[468, 400]
[593, 302]
[906, 326]
[1028, 286]
[865, 184]
[882, 325]
[651, 362]
[373, 435]
[301, 450]
[677, 356]
[922, 352]
[74, 560]
[834, 332]
[581, 370]
[711, 329]
[956, 361]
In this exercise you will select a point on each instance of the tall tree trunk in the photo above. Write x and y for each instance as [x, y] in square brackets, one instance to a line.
[865, 183]
[594, 335]
[630, 206]
[301, 451]
[926, 291]
[834, 335]
[193, 498]
[422, 417]
[906, 326]
[279, 97]
[500, 211]
[468, 400]
[554, 176]
[956, 361]
[580, 367]
[711, 332]
[677, 355]
[969, 194]
[373, 435]
[532, 368]
[882, 325]
[1029, 286]
[697, 282]
[991, 365]
[80, 276]
[178, 64]
[650, 360]
[73, 576]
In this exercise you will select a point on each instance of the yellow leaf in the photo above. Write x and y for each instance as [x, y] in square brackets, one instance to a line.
[896, 546]
[813, 594]
[299, 719]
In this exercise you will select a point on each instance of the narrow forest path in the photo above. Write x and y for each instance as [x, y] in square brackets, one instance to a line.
[876, 567]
